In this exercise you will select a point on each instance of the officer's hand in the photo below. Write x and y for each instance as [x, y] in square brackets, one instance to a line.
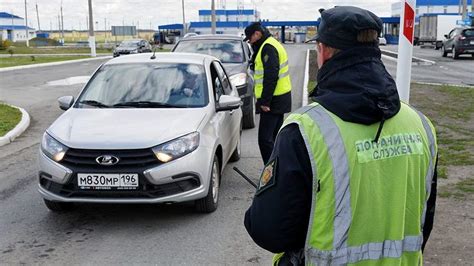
[265, 108]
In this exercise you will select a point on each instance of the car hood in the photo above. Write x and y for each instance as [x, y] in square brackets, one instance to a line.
[124, 128]
[233, 69]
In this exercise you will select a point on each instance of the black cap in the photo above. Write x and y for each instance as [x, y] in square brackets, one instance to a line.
[340, 25]
[250, 29]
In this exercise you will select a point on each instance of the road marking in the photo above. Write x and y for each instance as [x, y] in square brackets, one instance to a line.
[69, 81]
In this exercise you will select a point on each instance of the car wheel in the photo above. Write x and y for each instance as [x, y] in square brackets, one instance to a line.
[56, 206]
[443, 51]
[209, 203]
[249, 118]
[238, 149]
[454, 53]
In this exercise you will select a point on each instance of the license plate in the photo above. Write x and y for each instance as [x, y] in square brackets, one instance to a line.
[107, 181]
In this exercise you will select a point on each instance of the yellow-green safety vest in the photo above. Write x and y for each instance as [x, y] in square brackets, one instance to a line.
[284, 83]
[370, 199]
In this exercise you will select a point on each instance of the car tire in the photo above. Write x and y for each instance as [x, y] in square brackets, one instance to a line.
[56, 206]
[454, 53]
[209, 203]
[249, 118]
[443, 51]
[238, 149]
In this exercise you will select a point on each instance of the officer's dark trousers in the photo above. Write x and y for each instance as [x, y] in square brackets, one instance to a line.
[267, 132]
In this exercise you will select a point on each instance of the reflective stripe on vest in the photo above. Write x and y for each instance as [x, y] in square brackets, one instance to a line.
[284, 83]
[341, 253]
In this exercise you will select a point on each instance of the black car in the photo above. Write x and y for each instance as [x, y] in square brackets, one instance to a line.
[459, 41]
[132, 47]
[235, 55]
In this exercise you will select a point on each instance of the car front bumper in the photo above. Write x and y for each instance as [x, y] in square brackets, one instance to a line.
[183, 179]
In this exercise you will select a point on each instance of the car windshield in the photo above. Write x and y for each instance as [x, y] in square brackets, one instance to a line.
[161, 85]
[228, 51]
[469, 33]
[128, 44]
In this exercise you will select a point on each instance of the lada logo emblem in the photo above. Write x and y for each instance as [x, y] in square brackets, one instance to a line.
[107, 160]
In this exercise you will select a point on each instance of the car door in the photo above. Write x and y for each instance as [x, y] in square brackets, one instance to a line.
[449, 41]
[231, 126]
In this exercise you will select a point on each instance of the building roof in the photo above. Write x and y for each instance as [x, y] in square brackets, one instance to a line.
[207, 12]
[171, 27]
[8, 15]
[14, 27]
[440, 2]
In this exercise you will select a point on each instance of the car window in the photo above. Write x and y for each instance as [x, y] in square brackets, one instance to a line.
[469, 33]
[181, 85]
[228, 51]
[247, 50]
[222, 75]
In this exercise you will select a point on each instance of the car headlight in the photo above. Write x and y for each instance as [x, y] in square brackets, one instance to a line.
[134, 51]
[238, 79]
[177, 148]
[53, 148]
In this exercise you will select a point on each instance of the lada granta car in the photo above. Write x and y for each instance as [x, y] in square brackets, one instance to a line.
[145, 129]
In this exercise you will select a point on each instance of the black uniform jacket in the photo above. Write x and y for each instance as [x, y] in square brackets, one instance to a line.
[353, 87]
[271, 66]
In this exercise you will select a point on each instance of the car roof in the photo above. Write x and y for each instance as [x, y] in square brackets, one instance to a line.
[185, 58]
[213, 37]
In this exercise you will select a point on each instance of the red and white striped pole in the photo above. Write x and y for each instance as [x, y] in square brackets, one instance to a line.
[405, 48]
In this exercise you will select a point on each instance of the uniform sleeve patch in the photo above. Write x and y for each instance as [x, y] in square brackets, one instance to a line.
[267, 179]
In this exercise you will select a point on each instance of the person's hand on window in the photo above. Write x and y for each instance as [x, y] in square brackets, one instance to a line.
[188, 92]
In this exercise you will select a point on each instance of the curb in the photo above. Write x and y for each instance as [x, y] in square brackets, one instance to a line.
[304, 101]
[415, 59]
[18, 129]
[443, 84]
[53, 63]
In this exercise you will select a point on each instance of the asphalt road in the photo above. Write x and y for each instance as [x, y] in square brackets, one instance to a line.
[445, 70]
[117, 234]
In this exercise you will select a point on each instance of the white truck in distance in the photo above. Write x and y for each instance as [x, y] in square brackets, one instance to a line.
[433, 27]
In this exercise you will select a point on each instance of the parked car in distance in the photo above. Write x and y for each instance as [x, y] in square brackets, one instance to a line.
[459, 41]
[132, 47]
[235, 55]
[382, 41]
[144, 129]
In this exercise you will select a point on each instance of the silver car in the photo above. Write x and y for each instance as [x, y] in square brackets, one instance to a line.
[145, 129]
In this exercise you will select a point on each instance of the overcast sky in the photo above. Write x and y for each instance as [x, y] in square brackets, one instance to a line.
[151, 14]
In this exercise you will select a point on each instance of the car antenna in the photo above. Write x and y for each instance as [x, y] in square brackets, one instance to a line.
[154, 50]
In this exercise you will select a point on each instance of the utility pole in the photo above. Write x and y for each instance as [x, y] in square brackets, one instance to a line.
[91, 31]
[184, 20]
[213, 17]
[62, 24]
[105, 29]
[26, 24]
[464, 9]
[37, 17]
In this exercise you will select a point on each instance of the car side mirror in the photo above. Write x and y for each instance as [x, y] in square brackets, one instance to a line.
[65, 102]
[227, 103]
[446, 36]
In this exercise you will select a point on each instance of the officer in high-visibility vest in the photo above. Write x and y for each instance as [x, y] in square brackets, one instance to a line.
[352, 176]
[272, 84]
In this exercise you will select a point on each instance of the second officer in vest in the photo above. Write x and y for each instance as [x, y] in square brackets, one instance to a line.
[272, 84]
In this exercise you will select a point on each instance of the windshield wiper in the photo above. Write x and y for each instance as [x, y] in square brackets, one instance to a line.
[146, 104]
[94, 103]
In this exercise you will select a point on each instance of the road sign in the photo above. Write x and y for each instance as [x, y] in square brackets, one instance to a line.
[409, 22]
[463, 22]
[124, 30]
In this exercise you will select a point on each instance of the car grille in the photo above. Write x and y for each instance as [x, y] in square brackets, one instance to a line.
[127, 158]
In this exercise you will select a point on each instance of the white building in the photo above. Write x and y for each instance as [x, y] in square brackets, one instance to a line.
[13, 28]
[451, 7]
